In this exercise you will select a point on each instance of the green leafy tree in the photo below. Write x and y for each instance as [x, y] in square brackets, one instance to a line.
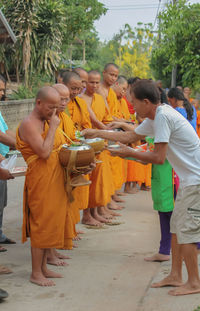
[178, 44]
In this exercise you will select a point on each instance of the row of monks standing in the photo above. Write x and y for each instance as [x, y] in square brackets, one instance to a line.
[96, 107]
[83, 111]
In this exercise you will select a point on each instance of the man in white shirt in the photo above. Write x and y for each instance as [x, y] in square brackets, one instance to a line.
[176, 140]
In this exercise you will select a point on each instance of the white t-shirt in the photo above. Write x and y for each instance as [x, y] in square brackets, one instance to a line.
[169, 126]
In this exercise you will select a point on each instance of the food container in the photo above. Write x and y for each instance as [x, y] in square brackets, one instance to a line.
[18, 171]
[98, 144]
[83, 158]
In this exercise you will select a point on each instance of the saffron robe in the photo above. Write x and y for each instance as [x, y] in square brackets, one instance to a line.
[102, 187]
[46, 217]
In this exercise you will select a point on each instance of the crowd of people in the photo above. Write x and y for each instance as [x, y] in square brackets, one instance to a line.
[96, 104]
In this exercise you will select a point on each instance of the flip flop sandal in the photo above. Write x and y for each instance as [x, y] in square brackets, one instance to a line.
[5, 271]
[3, 294]
[2, 249]
[8, 241]
[116, 223]
[95, 227]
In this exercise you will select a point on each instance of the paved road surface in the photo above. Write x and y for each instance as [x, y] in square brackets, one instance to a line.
[106, 273]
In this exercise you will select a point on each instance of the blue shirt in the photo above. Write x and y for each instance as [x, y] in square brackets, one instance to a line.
[193, 122]
[3, 128]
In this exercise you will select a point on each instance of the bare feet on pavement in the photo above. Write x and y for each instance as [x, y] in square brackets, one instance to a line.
[158, 257]
[168, 281]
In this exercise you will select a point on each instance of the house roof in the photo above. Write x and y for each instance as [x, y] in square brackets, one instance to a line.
[6, 33]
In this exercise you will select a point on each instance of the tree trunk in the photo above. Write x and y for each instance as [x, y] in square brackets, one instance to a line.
[17, 71]
[84, 60]
[173, 79]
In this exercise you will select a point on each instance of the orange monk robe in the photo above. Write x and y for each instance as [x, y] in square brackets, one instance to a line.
[46, 217]
[198, 123]
[79, 114]
[102, 187]
[67, 126]
[119, 168]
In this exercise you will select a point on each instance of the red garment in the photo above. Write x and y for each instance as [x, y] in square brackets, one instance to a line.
[130, 106]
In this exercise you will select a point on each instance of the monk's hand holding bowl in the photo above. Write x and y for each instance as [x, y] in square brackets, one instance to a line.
[121, 150]
[90, 133]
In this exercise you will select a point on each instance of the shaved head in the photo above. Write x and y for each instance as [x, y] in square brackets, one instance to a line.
[122, 80]
[107, 66]
[60, 88]
[64, 96]
[46, 92]
[68, 76]
[79, 70]
[94, 72]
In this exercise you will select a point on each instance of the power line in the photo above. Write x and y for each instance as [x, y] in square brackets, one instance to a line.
[157, 13]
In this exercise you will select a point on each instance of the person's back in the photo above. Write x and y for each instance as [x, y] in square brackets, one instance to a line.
[183, 143]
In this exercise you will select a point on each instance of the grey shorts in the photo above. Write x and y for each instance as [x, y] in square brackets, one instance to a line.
[3, 194]
[185, 220]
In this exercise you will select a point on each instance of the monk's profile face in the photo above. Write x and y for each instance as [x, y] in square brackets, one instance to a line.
[84, 79]
[64, 99]
[121, 89]
[46, 106]
[93, 83]
[110, 75]
[75, 87]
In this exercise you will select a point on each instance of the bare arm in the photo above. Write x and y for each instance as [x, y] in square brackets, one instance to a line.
[95, 122]
[126, 126]
[123, 137]
[7, 139]
[11, 133]
[157, 156]
[30, 134]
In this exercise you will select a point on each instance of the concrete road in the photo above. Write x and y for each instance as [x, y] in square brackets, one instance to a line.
[106, 272]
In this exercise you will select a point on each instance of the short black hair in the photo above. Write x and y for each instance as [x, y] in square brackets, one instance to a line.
[146, 89]
[133, 80]
[70, 75]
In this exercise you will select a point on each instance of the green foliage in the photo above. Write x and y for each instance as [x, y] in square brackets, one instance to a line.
[197, 309]
[43, 29]
[36, 83]
[179, 44]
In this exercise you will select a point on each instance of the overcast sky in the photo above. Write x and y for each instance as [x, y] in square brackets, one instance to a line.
[130, 12]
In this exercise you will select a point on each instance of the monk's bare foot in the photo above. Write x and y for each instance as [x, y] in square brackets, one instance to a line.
[168, 281]
[158, 258]
[75, 246]
[113, 206]
[186, 289]
[80, 232]
[5, 270]
[77, 238]
[56, 262]
[100, 218]
[104, 212]
[120, 193]
[61, 256]
[51, 274]
[90, 221]
[132, 191]
[114, 214]
[145, 188]
[41, 280]
[117, 199]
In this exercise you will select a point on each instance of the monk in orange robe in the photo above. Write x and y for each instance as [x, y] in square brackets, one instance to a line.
[45, 201]
[102, 187]
[68, 129]
[78, 112]
[110, 75]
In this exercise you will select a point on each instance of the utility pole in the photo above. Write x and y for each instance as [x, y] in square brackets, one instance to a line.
[174, 69]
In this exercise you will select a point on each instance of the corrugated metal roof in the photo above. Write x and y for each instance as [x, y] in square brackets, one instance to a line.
[6, 33]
